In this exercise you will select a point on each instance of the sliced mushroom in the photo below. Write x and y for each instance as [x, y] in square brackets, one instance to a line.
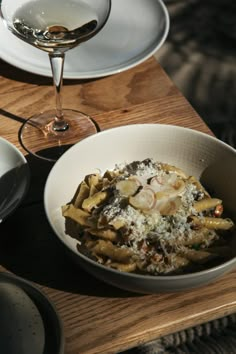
[144, 200]
[127, 187]
[168, 206]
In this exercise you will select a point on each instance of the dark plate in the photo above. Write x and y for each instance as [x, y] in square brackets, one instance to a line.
[54, 338]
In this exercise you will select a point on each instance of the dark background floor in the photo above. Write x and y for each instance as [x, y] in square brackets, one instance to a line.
[200, 57]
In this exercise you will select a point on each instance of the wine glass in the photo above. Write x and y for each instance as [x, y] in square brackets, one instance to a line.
[55, 26]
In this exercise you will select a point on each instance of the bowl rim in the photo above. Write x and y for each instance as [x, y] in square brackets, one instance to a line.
[140, 126]
[143, 277]
[24, 162]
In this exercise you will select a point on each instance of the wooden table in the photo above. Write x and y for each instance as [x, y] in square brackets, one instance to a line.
[98, 318]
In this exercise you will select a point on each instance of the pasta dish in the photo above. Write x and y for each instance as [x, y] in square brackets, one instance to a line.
[148, 217]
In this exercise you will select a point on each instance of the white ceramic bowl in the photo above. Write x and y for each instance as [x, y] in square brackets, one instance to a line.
[14, 178]
[201, 155]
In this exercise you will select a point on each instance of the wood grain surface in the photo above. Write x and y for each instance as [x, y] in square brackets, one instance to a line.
[97, 318]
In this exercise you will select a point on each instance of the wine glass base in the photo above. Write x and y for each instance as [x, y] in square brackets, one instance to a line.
[38, 137]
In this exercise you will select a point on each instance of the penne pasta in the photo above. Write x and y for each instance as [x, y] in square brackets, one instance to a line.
[106, 248]
[82, 193]
[170, 168]
[76, 214]
[212, 223]
[206, 203]
[200, 256]
[94, 201]
[123, 267]
[195, 237]
[106, 234]
[147, 217]
[92, 179]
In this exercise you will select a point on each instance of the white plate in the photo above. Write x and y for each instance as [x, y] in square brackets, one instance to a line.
[136, 29]
[14, 178]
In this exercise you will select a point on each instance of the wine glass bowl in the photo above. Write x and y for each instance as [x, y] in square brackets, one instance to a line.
[55, 26]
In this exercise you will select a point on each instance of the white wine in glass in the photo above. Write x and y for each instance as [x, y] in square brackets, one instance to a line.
[55, 26]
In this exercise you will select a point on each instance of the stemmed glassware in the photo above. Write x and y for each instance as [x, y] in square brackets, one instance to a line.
[55, 26]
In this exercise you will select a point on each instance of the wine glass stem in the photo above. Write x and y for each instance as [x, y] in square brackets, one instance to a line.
[57, 66]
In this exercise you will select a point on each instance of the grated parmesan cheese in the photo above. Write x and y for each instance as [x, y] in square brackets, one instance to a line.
[158, 234]
[142, 227]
